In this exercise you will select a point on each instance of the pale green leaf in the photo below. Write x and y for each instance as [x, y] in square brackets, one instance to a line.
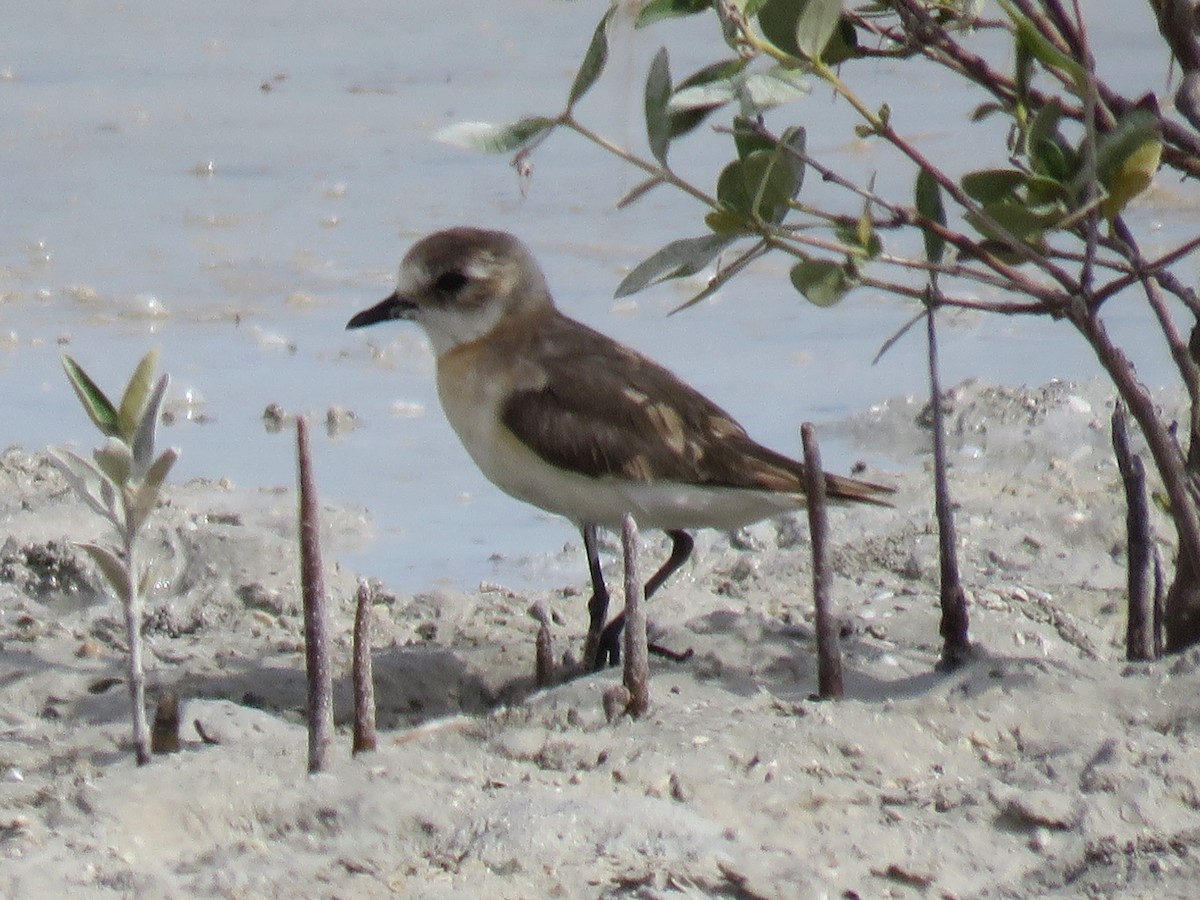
[85, 479]
[1017, 219]
[992, 185]
[792, 144]
[770, 181]
[151, 486]
[147, 428]
[594, 60]
[136, 392]
[114, 569]
[1032, 41]
[703, 96]
[677, 259]
[496, 138]
[775, 87]
[657, 96]
[929, 204]
[821, 281]
[657, 10]
[115, 460]
[815, 24]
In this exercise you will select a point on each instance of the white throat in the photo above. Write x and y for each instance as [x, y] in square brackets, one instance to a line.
[450, 327]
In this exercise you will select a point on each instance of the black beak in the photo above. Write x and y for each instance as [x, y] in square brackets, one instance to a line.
[393, 307]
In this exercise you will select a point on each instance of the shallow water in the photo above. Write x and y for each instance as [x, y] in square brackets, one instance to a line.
[233, 182]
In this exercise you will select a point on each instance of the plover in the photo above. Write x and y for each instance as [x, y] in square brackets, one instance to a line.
[559, 415]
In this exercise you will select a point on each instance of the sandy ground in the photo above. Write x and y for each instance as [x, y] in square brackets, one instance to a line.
[1048, 766]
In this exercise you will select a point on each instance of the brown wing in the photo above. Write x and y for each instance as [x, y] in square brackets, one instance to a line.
[607, 411]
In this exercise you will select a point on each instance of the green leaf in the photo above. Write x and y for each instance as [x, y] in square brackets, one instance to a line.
[657, 95]
[815, 25]
[928, 194]
[1030, 40]
[775, 87]
[496, 138]
[594, 60]
[703, 97]
[677, 259]
[748, 137]
[136, 392]
[860, 234]
[97, 405]
[778, 19]
[802, 28]
[1044, 125]
[792, 145]
[1049, 153]
[1055, 160]
[715, 73]
[843, 44]
[727, 221]
[657, 10]
[821, 281]
[760, 185]
[702, 92]
[147, 427]
[771, 180]
[115, 572]
[1023, 223]
[1044, 191]
[984, 110]
[992, 185]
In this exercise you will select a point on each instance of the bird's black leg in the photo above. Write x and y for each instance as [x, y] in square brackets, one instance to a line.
[609, 646]
[598, 605]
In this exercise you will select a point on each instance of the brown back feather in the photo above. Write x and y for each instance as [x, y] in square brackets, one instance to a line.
[607, 411]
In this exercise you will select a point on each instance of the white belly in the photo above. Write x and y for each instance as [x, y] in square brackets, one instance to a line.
[521, 473]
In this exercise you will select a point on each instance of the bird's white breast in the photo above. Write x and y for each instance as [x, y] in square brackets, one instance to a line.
[473, 397]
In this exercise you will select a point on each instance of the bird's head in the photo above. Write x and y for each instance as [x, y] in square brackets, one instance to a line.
[459, 283]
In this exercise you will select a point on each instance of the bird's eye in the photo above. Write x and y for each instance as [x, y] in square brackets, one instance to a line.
[450, 282]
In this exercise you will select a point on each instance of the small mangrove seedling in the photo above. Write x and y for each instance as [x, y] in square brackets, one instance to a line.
[121, 482]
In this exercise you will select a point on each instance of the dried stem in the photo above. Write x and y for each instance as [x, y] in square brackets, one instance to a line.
[543, 674]
[637, 655]
[364, 680]
[137, 674]
[316, 638]
[829, 655]
[1141, 639]
[954, 629]
[165, 736]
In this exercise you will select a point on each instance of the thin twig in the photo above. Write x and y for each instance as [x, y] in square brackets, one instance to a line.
[1160, 601]
[1091, 99]
[636, 677]
[205, 737]
[363, 677]
[316, 617]
[543, 672]
[1140, 640]
[829, 654]
[954, 629]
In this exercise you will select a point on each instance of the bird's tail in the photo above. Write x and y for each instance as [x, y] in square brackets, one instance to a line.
[841, 489]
